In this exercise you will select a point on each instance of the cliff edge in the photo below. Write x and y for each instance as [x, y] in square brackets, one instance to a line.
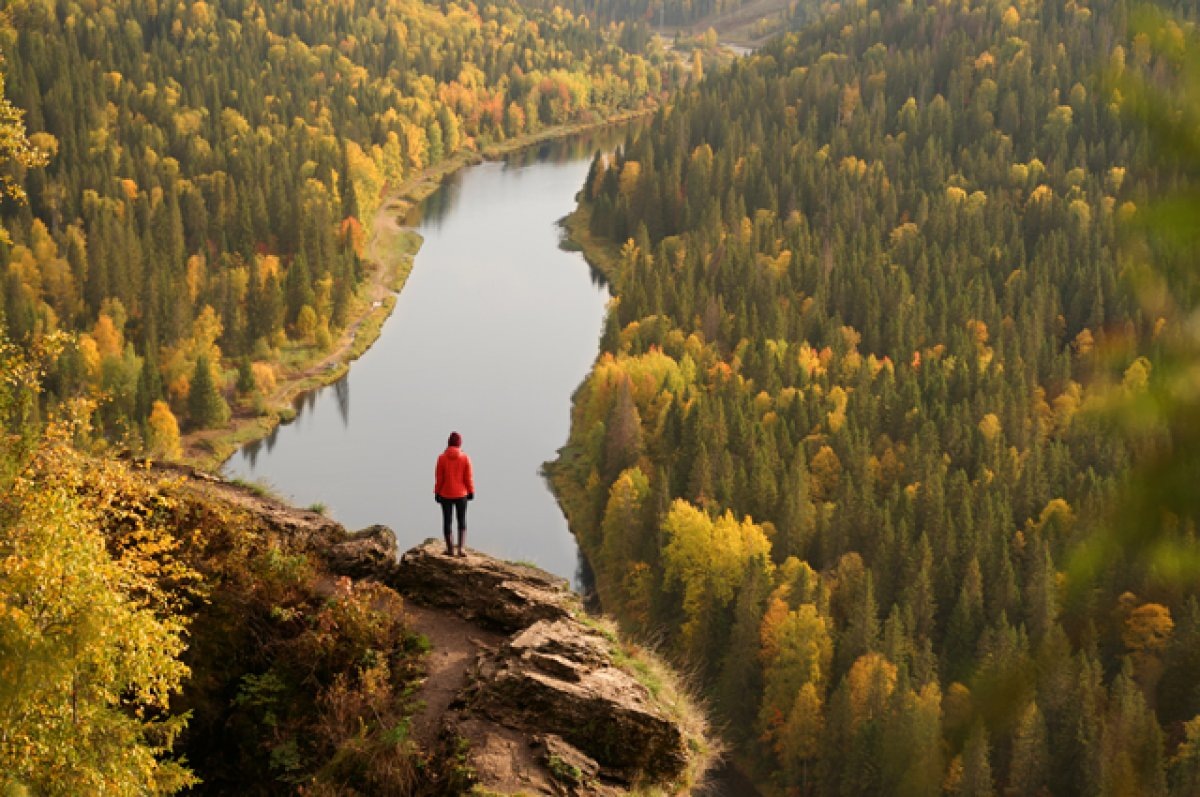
[519, 690]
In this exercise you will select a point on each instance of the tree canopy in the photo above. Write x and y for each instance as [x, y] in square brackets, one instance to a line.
[874, 299]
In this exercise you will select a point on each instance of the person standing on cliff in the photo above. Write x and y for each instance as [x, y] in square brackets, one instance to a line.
[453, 486]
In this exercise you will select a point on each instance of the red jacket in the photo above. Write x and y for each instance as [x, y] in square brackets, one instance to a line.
[452, 477]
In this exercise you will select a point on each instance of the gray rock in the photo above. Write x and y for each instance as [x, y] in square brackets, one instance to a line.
[368, 554]
[572, 772]
[499, 595]
[554, 678]
[560, 680]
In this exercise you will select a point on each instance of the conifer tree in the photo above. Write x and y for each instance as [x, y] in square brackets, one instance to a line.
[1027, 771]
[206, 406]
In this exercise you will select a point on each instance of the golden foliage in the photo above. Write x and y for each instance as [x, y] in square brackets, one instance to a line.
[630, 173]
[264, 377]
[826, 471]
[89, 638]
[16, 149]
[989, 427]
[107, 337]
[1147, 628]
[871, 681]
[708, 559]
[162, 432]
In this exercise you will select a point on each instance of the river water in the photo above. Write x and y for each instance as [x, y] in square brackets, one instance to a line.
[494, 330]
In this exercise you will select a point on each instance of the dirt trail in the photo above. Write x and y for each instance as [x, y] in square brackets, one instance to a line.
[454, 645]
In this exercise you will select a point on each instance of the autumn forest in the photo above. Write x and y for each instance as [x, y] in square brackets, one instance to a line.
[890, 442]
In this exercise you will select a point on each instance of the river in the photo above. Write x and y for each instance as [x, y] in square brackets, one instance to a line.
[494, 330]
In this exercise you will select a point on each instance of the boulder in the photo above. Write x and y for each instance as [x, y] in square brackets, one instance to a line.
[559, 677]
[499, 595]
[368, 554]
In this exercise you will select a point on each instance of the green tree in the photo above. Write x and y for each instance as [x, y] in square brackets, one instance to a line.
[1185, 764]
[206, 406]
[1027, 771]
[977, 778]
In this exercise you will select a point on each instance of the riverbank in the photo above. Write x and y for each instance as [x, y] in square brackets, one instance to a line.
[600, 254]
[390, 252]
[731, 777]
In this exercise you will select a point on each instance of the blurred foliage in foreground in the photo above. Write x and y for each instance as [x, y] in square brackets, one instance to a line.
[91, 627]
[1154, 525]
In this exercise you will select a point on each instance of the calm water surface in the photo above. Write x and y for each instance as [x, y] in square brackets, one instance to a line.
[495, 329]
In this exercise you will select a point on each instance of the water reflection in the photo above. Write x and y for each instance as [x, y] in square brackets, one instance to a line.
[305, 401]
[567, 245]
[250, 451]
[341, 391]
[433, 210]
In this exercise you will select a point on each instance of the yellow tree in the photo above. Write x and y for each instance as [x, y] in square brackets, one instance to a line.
[162, 432]
[798, 742]
[1146, 632]
[306, 324]
[826, 470]
[89, 645]
[621, 529]
[15, 150]
[799, 652]
[708, 559]
[871, 682]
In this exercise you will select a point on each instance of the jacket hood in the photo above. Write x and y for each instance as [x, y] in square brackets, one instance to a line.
[453, 452]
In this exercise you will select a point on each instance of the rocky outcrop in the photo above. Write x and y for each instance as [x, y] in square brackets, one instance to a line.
[553, 682]
[524, 693]
[500, 595]
[559, 678]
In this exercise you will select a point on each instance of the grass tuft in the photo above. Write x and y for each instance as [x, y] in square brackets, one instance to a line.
[677, 697]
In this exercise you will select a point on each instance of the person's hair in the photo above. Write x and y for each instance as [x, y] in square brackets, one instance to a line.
[455, 439]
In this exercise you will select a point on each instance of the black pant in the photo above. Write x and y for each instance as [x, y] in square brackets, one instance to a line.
[459, 507]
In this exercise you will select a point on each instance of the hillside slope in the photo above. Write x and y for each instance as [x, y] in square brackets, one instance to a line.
[162, 628]
[213, 169]
[500, 681]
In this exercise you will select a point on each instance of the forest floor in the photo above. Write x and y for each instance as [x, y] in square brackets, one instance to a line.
[389, 254]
